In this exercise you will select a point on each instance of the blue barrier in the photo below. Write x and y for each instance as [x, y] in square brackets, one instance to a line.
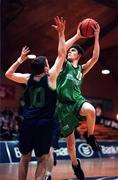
[9, 151]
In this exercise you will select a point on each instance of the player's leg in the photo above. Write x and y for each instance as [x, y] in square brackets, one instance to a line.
[25, 147]
[41, 167]
[50, 164]
[71, 148]
[54, 145]
[42, 144]
[23, 166]
[89, 111]
[76, 165]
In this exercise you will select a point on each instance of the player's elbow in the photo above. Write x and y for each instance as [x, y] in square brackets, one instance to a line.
[96, 55]
[62, 56]
[95, 58]
[62, 53]
[8, 75]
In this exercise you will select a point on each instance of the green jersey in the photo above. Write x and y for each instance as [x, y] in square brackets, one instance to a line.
[69, 83]
[70, 99]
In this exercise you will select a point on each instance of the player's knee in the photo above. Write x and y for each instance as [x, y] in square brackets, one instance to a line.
[91, 111]
[43, 158]
[26, 158]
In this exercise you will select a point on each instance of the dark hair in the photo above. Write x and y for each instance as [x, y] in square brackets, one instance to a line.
[38, 65]
[79, 48]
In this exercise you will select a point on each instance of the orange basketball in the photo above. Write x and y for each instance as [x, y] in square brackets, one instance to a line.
[87, 27]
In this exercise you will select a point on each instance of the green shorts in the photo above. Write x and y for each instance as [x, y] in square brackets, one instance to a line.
[69, 117]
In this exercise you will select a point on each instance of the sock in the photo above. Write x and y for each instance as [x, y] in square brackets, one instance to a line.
[48, 173]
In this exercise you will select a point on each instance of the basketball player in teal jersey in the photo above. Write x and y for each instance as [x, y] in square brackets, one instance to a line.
[72, 105]
[40, 101]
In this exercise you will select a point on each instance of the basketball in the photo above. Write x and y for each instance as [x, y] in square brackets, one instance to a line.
[87, 27]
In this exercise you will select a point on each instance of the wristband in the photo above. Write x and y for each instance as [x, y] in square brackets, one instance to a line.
[20, 60]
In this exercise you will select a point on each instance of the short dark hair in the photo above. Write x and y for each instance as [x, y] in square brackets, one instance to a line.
[79, 48]
[38, 65]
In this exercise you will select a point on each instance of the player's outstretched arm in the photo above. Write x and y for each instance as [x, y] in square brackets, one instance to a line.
[75, 38]
[11, 72]
[60, 28]
[96, 52]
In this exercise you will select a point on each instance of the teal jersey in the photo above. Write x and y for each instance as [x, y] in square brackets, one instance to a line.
[69, 83]
[40, 99]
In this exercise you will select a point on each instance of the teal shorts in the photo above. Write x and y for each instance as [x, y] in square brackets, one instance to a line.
[69, 117]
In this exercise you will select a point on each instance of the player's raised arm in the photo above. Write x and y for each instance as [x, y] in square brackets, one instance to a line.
[75, 38]
[60, 27]
[96, 51]
[11, 72]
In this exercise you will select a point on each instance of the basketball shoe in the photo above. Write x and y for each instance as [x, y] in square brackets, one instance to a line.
[91, 140]
[78, 171]
[55, 158]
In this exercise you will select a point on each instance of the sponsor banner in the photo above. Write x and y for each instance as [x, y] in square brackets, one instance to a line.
[9, 151]
[109, 148]
[14, 151]
[4, 153]
[108, 122]
[83, 150]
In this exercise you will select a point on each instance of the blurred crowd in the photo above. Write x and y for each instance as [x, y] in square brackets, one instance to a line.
[10, 122]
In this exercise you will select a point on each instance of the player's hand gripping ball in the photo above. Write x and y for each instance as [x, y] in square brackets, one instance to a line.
[87, 27]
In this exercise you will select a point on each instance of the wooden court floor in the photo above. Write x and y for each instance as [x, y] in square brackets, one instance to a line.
[63, 170]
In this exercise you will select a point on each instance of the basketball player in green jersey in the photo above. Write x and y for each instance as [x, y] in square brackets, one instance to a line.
[40, 102]
[72, 105]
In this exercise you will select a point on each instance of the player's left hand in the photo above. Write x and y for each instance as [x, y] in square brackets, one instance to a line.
[96, 30]
[59, 24]
[24, 53]
[79, 32]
